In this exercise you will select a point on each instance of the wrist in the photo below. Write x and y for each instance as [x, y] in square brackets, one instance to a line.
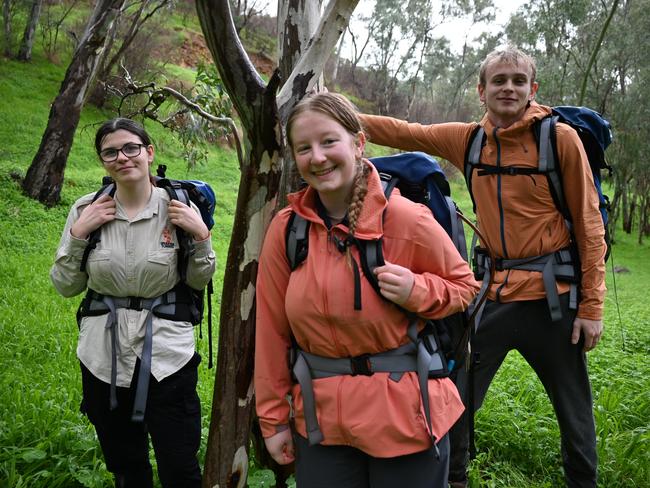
[201, 237]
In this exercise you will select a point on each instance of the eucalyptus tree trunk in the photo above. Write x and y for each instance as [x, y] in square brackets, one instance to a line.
[6, 18]
[259, 108]
[44, 177]
[297, 22]
[25, 52]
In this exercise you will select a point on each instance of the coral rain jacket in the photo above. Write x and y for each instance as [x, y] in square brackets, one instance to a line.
[315, 304]
[517, 214]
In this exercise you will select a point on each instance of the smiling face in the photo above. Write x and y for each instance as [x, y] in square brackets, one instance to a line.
[326, 154]
[127, 170]
[506, 92]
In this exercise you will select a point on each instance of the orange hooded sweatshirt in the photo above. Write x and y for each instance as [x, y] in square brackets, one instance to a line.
[516, 214]
[315, 304]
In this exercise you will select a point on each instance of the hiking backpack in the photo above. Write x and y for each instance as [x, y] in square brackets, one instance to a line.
[419, 178]
[563, 264]
[186, 191]
[595, 133]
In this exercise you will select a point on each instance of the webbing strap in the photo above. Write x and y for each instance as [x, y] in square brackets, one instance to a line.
[297, 235]
[470, 310]
[552, 265]
[457, 230]
[111, 321]
[474, 155]
[548, 165]
[303, 375]
[113, 303]
[399, 360]
[418, 356]
[546, 158]
[142, 389]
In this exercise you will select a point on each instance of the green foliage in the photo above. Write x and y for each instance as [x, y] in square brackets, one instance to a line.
[46, 442]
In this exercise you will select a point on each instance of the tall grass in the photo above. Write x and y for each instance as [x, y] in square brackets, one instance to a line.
[46, 442]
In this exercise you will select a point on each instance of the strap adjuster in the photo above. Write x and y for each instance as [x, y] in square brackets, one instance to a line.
[360, 365]
[135, 303]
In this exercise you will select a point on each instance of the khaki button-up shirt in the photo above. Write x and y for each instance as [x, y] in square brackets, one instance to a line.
[135, 257]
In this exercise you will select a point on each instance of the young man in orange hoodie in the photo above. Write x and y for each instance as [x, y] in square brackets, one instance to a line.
[519, 219]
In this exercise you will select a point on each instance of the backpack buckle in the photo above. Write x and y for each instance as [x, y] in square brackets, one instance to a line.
[135, 303]
[360, 365]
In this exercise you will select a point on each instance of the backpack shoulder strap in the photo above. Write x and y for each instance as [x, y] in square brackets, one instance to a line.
[94, 237]
[546, 135]
[175, 192]
[296, 240]
[371, 252]
[473, 158]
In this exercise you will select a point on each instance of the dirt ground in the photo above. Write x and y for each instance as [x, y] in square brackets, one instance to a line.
[194, 50]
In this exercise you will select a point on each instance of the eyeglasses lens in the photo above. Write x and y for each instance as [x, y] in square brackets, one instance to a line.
[129, 150]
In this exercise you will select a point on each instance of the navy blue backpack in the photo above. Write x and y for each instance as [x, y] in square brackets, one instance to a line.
[595, 132]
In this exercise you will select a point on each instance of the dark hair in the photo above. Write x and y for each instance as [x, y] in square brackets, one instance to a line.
[509, 55]
[120, 123]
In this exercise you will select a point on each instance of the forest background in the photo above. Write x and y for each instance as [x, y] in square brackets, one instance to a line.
[155, 62]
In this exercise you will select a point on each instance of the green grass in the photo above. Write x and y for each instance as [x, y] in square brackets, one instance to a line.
[46, 442]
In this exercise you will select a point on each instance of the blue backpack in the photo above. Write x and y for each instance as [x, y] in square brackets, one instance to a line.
[419, 178]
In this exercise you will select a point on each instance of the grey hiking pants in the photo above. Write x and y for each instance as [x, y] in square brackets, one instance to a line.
[561, 367]
[321, 466]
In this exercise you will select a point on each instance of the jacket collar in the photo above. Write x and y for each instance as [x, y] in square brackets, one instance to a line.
[532, 114]
[370, 223]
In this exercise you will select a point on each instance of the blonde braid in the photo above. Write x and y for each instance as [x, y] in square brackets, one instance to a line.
[359, 191]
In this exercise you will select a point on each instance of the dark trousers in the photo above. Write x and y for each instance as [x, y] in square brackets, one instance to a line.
[172, 419]
[347, 467]
[561, 367]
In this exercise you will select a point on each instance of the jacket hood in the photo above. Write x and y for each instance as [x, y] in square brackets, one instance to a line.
[370, 223]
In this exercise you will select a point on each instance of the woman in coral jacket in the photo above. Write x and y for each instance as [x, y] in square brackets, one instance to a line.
[375, 431]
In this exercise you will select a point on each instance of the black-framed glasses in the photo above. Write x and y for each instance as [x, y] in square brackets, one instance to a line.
[130, 150]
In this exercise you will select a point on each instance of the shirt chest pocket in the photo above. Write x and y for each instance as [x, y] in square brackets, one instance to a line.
[99, 263]
[160, 270]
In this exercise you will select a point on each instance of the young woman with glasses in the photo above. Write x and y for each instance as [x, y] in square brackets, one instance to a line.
[133, 266]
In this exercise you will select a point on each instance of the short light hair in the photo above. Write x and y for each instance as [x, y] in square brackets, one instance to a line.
[509, 55]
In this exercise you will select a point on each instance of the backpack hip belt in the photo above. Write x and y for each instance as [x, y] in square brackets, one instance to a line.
[170, 305]
[555, 266]
[422, 355]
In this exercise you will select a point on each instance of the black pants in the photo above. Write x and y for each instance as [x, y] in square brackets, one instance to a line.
[546, 346]
[347, 467]
[172, 419]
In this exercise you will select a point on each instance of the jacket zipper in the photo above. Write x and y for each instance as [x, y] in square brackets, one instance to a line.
[330, 243]
[499, 196]
[501, 214]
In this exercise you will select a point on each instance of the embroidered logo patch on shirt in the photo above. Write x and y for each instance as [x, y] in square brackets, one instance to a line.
[166, 239]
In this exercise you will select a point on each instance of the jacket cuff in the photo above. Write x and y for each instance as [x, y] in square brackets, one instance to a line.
[269, 430]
